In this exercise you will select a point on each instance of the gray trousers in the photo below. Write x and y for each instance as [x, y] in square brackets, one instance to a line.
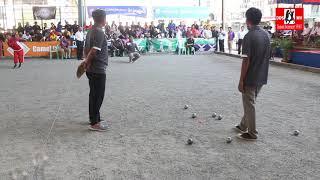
[133, 56]
[249, 118]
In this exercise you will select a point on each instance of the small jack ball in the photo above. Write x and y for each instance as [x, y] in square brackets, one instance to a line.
[214, 115]
[219, 117]
[186, 107]
[296, 132]
[189, 141]
[194, 115]
[229, 140]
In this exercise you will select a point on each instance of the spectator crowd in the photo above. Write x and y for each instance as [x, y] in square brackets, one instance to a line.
[119, 34]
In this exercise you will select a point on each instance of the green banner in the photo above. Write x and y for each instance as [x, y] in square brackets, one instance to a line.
[171, 45]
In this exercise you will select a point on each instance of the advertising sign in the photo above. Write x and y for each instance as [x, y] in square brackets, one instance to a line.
[137, 11]
[289, 19]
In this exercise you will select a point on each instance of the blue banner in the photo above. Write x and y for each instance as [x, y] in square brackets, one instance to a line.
[137, 11]
[181, 12]
[314, 2]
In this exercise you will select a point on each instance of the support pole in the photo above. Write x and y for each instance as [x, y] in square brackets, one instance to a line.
[22, 16]
[222, 15]
[60, 13]
[80, 13]
[14, 13]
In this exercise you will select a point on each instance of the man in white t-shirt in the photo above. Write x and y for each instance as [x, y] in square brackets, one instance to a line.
[221, 38]
[241, 35]
[207, 32]
[306, 30]
[79, 41]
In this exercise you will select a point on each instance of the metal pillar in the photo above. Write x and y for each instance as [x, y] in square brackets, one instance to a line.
[80, 13]
[22, 16]
[14, 13]
[222, 16]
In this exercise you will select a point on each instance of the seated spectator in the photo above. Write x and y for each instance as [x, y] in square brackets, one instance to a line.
[27, 28]
[315, 33]
[189, 32]
[113, 27]
[67, 26]
[117, 46]
[67, 34]
[64, 48]
[171, 29]
[190, 45]
[121, 28]
[20, 29]
[183, 29]
[207, 33]
[45, 30]
[153, 32]
[36, 27]
[161, 29]
[195, 32]
[125, 39]
[59, 27]
[26, 36]
[75, 27]
[53, 36]
[306, 30]
[107, 29]
[133, 51]
[37, 36]
[179, 33]
[53, 27]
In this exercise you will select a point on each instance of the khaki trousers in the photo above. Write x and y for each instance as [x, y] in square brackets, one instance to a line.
[249, 118]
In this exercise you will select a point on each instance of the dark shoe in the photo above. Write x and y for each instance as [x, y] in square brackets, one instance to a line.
[247, 136]
[19, 65]
[15, 65]
[98, 127]
[238, 129]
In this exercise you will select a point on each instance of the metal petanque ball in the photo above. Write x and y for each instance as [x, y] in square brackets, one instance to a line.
[186, 106]
[214, 115]
[194, 115]
[229, 140]
[296, 132]
[189, 141]
[219, 117]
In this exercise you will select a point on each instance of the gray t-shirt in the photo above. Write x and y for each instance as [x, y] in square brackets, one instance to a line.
[96, 39]
[256, 46]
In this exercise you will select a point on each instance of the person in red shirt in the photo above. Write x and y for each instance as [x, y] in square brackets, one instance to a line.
[18, 54]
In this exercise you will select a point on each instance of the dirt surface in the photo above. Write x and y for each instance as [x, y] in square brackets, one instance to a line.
[148, 126]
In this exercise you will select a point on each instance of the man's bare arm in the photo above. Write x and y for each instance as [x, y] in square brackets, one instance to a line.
[244, 70]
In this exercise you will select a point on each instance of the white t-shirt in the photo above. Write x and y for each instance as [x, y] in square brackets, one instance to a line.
[222, 35]
[79, 36]
[306, 31]
[315, 30]
[241, 34]
[207, 34]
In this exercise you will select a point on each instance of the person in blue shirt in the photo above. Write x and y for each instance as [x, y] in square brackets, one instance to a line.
[172, 29]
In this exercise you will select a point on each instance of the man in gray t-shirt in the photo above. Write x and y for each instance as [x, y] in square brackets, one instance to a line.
[96, 62]
[254, 71]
